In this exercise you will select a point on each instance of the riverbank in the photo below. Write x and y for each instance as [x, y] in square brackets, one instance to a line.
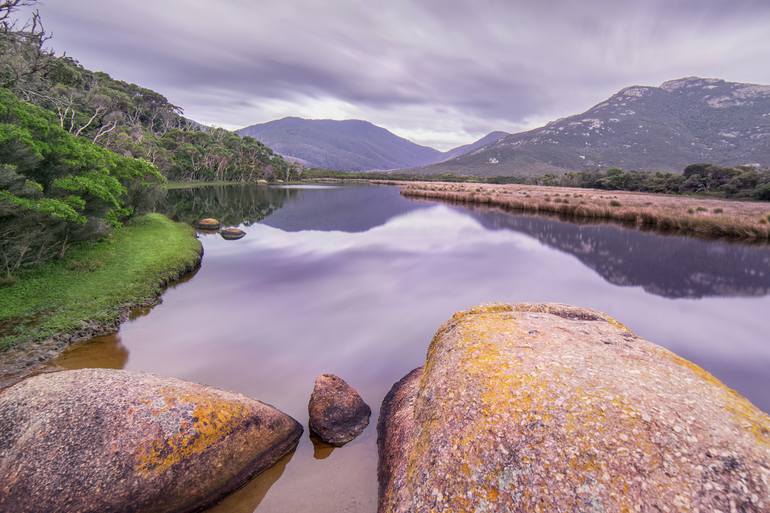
[91, 291]
[685, 214]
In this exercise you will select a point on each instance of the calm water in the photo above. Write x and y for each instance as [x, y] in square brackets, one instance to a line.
[355, 280]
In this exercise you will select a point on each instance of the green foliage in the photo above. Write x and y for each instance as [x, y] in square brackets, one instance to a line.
[56, 188]
[126, 118]
[95, 280]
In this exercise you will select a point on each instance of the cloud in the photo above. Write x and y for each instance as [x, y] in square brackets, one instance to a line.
[440, 72]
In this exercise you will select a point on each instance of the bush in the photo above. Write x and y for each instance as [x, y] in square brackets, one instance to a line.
[56, 188]
[718, 211]
[615, 203]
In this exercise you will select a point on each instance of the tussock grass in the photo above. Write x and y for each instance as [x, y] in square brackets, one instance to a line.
[713, 218]
[96, 281]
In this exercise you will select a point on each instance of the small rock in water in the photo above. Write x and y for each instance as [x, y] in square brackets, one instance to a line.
[110, 441]
[232, 233]
[337, 412]
[208, 223]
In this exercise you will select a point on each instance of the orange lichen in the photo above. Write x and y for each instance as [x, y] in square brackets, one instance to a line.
[212, 420]
[745, 413]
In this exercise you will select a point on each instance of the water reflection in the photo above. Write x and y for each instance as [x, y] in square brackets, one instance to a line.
[233, 205]
[355, 280]
[248, 498]
[106, 352]
[321, 450]
[669, 266]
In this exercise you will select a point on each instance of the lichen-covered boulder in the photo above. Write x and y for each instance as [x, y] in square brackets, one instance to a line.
[102, 440]
[556, 408]
[232, 233]
[337, 413]
[208, 223]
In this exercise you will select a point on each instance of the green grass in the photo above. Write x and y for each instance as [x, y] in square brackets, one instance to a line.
[95, 280]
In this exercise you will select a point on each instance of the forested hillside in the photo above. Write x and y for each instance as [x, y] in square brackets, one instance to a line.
[80, 152]
[126, 118]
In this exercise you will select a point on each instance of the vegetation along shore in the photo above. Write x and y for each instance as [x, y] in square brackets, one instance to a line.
[91, 290]
[703, 217]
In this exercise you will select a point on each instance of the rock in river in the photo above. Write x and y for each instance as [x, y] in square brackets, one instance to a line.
[100, 440]
[556, 408]
[337, 412]
[208, 223]
[232, 233]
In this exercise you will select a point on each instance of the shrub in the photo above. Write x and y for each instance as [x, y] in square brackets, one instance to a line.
[56, 188]
[615, 203]
[701, 209]
[718, 210]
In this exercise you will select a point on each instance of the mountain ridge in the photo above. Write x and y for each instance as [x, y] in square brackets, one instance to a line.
[348, 145]
[649, 128]
[339, 145]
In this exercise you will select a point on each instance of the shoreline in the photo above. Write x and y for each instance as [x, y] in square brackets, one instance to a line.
[32, 355]
[700, 217]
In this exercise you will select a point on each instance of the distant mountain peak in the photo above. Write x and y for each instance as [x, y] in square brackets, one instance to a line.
[687, 120]
[689, 82]
[347, 145]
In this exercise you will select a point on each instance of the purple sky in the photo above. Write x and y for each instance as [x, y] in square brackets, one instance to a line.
[440, 72]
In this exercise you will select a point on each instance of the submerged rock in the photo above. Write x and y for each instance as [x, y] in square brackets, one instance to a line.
[232, 233]
[102, 440]
[337, 412]
[208, 223]
[556, 408]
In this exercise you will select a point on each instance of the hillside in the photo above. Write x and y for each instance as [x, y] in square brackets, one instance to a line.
[349, 145]
[126, 118]
[490, 138]
[641, 128]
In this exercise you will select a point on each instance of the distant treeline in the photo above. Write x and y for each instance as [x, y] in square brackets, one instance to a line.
[739, 182]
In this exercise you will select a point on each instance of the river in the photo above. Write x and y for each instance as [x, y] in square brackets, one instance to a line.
[354, 280]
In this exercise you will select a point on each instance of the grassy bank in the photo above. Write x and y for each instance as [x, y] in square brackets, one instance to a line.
[93, 286]
[685, 214]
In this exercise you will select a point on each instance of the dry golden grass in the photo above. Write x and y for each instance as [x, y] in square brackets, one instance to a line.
[695, 216]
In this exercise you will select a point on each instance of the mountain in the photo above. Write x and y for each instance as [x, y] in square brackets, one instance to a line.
[640, 128]
[349, 145]
[490, 138]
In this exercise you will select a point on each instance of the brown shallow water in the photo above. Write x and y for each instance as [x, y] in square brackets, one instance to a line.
[355, 280]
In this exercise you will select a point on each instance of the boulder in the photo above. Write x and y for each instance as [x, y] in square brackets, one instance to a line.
[103, 440]
[337, 412]
[208, 223]
[232, 233]
[557, 408]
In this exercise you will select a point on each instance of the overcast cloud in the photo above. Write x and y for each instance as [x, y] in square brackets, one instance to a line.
[440, 72]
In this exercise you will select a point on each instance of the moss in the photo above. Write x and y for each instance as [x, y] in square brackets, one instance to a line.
[97, 280]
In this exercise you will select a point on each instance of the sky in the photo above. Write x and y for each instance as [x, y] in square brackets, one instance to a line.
[439, 72]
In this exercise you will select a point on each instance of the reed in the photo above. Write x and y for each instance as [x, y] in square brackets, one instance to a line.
[710, 218]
